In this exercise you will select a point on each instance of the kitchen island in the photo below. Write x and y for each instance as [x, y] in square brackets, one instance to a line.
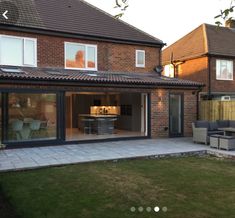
[97, 123]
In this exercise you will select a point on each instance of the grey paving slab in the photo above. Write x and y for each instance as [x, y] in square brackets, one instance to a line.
[30, 158]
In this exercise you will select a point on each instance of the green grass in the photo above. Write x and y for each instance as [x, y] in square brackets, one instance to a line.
[189, 187]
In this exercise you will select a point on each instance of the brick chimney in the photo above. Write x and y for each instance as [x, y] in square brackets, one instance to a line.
[230, 23]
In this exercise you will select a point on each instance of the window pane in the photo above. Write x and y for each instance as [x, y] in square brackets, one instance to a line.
[0, 116]
[168, 70]
[75, 56]
[29, 52]
[31, 116]
[140, 58]
[224, 69]
[91, 57]
[11, 51]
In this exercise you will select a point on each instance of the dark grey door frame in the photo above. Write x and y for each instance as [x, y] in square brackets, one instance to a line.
[181, 118]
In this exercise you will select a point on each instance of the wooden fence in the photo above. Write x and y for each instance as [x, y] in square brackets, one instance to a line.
[216, 110]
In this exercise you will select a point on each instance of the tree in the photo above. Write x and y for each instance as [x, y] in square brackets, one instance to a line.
[225, 14]
[122, 5]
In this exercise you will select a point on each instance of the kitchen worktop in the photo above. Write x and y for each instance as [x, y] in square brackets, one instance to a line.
[98, 115]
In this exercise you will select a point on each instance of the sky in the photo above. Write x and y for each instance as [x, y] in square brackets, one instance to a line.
[168, 20]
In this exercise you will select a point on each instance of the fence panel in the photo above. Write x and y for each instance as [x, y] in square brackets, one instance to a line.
[216, 110]
[228, 110]
[209, 110]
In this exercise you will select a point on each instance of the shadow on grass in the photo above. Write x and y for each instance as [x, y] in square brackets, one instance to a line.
[6, 210]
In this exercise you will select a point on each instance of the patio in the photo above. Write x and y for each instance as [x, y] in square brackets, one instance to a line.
[38, 157]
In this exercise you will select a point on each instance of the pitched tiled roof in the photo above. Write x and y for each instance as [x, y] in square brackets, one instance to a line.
[221, 40]
[206, 39]
[77, 17]
[100, 77]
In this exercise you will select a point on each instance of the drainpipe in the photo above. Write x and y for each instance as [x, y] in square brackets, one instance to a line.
[175, 64]
[197, 106]
[209, 78]
[172, 62]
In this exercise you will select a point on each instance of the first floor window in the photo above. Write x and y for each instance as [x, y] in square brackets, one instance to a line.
[224, 70]
[140, 58]
[168, 70]
[17, 51]
[80, 56]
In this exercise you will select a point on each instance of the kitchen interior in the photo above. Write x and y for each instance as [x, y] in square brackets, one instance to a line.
[101, 115]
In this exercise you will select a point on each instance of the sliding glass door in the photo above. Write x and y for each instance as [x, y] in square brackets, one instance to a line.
[105, 115]
[0, 116]
[31, 116]
[27, 117]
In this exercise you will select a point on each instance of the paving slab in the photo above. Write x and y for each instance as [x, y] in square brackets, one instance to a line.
[37, 157]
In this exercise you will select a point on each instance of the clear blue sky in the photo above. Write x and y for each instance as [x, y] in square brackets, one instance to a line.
[167, 20]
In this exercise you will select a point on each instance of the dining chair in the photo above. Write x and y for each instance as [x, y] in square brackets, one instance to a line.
[34, 127]
[28, 120]
[17, 126]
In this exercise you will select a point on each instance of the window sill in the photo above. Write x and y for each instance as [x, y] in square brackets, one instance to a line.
[224, 79]
[14, 65]
[82, 69]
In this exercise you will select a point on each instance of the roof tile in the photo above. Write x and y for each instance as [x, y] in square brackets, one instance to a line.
[206, 39]
[77, 17]
[91, 77]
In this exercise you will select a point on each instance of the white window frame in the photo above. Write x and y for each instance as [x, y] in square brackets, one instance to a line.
[23, 58]
[136, 58]
[86, 46]
[224, 79]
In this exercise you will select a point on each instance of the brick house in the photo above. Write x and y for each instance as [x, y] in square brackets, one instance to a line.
[70, 72]
[207, 55]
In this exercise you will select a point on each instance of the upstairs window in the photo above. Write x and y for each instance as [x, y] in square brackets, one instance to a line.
[18, 51]
[168, 71]
[140, 58]
[224, 70]
[80, 56]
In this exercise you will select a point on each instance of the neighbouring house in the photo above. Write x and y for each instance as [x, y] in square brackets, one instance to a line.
[70, 72]
[207, 55]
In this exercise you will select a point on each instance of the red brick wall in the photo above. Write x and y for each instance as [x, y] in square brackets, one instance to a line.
[111, 56]
[195, 70]
[160, 111]
[221, 85]
[190, 111]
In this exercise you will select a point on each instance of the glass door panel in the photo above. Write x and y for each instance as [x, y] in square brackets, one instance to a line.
[31, 116]
[1, 116]
[176, 115]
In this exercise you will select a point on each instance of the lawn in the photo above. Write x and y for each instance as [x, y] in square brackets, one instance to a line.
[188, 187]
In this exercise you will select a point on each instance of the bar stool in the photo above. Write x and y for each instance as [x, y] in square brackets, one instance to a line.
[101, 126]
[111, 125]
[87, 125]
